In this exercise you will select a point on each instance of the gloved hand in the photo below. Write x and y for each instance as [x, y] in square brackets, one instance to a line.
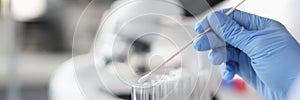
[258, 49]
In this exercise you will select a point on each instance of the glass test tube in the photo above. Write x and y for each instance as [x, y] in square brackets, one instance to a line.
[171, 88]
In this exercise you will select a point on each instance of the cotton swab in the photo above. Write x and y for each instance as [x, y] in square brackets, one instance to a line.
[146, 76]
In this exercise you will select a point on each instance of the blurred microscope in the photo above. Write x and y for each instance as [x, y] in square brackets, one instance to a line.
[133, 37]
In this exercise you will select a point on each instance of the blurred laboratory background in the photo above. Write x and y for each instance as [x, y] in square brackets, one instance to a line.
[39, 38]
[36, 37]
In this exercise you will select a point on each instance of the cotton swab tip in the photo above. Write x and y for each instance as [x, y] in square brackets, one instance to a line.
[144, 78]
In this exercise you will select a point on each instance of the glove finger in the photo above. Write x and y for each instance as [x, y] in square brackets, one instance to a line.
[202, 25]
[229, 70]
[223, 54]
[231, 62]
[232, 53]
[244, 68]
[226, 28]
[248, 20]
[217, 56]
[208, 41]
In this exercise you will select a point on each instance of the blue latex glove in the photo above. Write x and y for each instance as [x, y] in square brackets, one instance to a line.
[258, 49]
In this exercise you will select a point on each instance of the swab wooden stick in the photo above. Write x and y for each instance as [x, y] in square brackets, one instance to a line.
[145, 77]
